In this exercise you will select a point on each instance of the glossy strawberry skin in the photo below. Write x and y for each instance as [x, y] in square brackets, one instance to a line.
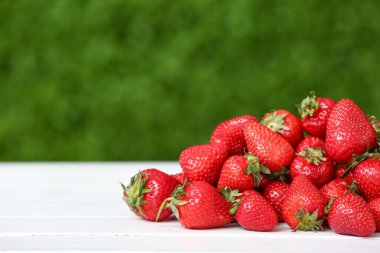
[367, 178]
[205, 207]
[255, 213]
[339, 171]
[275, 193]
[319, 174]
[348, 132]
[230, 133]
[302, 195]
[160, 186]
[203, 162]
[374, 205]
[336, 188]
[272, 150]
[294, 134]
[351, 215]
[316, 125]
[233, 175]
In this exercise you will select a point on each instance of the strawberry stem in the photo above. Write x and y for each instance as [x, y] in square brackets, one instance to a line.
[254, 168]
[355, 162]
[173, 201]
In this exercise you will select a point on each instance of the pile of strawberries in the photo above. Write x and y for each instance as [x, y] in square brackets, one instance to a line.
[322, 169]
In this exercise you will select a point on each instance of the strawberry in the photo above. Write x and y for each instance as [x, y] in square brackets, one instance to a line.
[146, 191]
[203, 162]
[351, 215]
[303, 207]
[241, 173]
[198, 205]
[180, 177]
[272, 150]
[314, 113]
[275, 193]
[339, 171]
[348, 132]
[230, 133]
[286, 124]
[374, 205]
[255, 213]
[367, 177]
[336, 188]
[311, 161]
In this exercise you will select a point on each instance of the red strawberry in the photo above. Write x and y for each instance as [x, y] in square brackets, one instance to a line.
[275, 193]
[203, 162]
[351, 215]
[239, 173]
[146, 191]
[255, 213]
[198, 205]
[230, 133]
[348, 178]
[367, 177]
[348, 132]
[303, 207]
[314, 113]
[336, 188]
[272, 150]
[180, 177]
[374, 205]
[286, 124]
[311, 161]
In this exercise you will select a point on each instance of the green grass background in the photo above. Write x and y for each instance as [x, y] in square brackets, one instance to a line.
[142, 80]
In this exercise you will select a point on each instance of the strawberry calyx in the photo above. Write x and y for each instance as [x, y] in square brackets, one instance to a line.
[174, 201]
[135, 191]
[278, 175]
[231, 197]
[313, 155]
[307, 221]
[275, 122]
[254, 168]
[308, 106]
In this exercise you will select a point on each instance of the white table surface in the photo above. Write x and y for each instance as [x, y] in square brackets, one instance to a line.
[78, 206]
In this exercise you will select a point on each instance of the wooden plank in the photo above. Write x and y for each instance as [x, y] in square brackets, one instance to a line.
[78, 206]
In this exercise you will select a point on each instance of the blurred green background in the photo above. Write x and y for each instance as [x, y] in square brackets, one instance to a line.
[142, 80]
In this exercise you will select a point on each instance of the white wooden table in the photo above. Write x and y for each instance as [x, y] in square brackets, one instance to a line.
[78, 206]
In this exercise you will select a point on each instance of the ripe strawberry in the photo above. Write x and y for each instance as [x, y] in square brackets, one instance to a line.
[367, 177]
[272, 150]
[348, 132]
[239, 173]
[374, 205]
[230, 133]
[303, 207]
[203, 162]
[351, 215]
[339, 171]
[336, 188]
[180, 177]
[314, 113]
[275, 193]
[311, 161]
[146, 191]
[255, 213]
[286, 124]
[198, 205]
